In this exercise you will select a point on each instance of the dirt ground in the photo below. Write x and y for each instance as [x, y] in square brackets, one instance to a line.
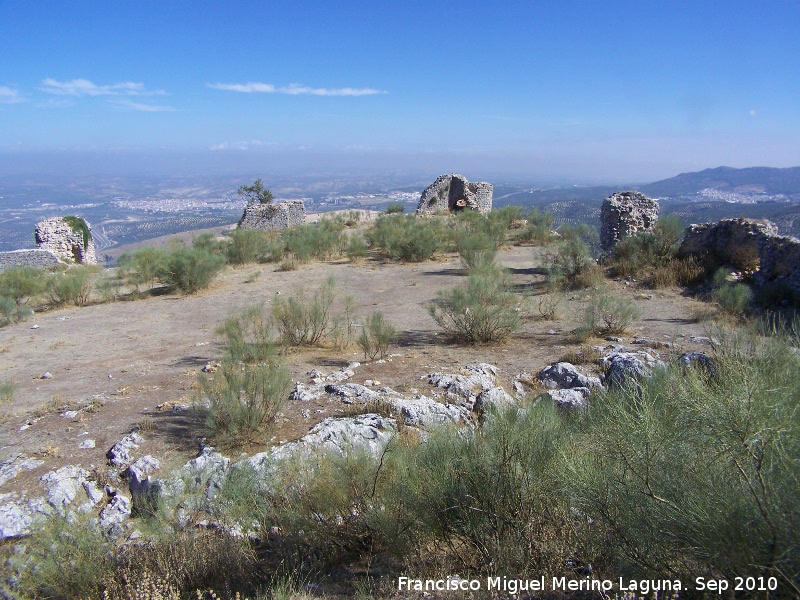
[127, 358]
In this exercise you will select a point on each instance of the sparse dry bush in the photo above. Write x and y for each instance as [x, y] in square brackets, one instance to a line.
[609, 315]
[483, 310]
[376, 336]
[73, 286]
[244, 399]
[302, 320]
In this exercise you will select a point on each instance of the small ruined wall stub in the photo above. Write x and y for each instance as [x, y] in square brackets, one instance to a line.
[34, 258]
[273, 217]
[624, 214]
[454, 193]
[67, 244]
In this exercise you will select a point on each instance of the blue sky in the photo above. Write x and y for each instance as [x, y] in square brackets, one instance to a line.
[586, 91]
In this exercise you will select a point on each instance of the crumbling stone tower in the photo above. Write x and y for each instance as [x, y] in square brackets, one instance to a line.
[624, 214]
[454, 193]
[68, 238]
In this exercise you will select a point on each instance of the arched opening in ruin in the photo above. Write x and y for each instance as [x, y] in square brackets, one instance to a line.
[77, 254]
[457, 198]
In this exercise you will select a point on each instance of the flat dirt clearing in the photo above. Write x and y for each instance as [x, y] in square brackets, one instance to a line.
[132, 356]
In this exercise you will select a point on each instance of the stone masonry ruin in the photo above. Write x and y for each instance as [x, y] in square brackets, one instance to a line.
[750, 245]
[454, 193]
[33, 258]
[624, 214]
[273, 217]
[68, 238]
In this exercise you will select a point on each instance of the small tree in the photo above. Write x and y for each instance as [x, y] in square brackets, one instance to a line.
[255, 194]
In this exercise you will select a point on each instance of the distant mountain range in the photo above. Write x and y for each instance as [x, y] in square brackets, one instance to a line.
[752, 184]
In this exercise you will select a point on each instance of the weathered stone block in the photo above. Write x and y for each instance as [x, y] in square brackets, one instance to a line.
[273, 217]
[624, 214]
[67, 243]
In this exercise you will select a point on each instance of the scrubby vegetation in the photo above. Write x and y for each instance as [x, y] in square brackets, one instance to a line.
[376, 335]
[607, 314]
[483, 310]
[690, 473]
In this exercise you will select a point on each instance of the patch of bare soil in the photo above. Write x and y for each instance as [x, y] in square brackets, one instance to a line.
[123, 360]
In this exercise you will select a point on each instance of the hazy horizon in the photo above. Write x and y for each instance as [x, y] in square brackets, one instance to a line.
[574, 93]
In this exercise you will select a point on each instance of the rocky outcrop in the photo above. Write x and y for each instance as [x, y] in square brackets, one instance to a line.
[454, 193]
[624, 214]
[34, 258]
[753, 246]
[68, 238]
[273, 217]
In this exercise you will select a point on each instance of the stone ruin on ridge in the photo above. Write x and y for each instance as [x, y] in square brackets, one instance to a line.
[454, 193]
[624, 214]
[273, 217]
[68, 238]
[752, 245]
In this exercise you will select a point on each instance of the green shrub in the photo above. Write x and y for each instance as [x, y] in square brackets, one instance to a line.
[376, 336]
[507, 215]
[639, 254]
[244, 399]
[22, 284]
[484, 310]
[573, 266]
[609, 315]
[143, 266]
[109, 286]
[733, 298]
[357, 247]
[190, 270]
[248, 336]
[476, 250]
[492, 499]
[11, 312]
[209, 242]
[408, 238]
[304, 321]
[64, 558]
[322, 240]
[253, 245]
[72, 286]
[395, 207]
[688, 475]
[539, 229]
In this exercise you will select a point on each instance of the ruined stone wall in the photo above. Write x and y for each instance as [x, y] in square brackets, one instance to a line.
[735, 242]
[58, 237]
[483, 195]
[750, 245]
[454, 193]
[273, 217]
[28, 258]
[624, 214]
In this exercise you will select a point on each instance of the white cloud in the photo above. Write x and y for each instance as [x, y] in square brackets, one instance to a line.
[293, 89]
[753, 112]
[125, 103]
[84, 87]
[9, 95]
